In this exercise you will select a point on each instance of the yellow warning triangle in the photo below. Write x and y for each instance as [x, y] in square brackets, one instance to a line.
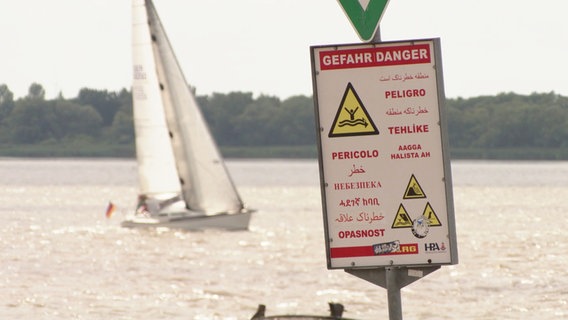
[431, 216]
[413, 190]
[352, 118]
[402, 219]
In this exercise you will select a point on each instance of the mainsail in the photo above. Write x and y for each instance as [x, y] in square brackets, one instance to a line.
[176, 152]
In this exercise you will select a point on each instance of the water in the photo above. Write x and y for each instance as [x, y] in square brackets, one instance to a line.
[61, 259]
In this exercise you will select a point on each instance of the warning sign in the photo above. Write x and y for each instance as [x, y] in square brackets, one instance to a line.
[431, 216]
[402, 219]
[383, 152]
[352, 118]
[413, 190]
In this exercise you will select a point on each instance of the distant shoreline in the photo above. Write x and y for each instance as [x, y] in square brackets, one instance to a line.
[263, 152]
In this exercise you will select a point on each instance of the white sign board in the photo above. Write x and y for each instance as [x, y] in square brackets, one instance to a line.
[384, 167]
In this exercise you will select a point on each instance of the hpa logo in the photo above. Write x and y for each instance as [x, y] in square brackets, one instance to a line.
[434, 247]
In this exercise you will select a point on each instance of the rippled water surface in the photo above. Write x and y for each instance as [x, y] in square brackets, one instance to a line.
[61, 259]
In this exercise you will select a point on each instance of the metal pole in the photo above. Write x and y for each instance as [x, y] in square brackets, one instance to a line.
[377, 37]
[393, 293]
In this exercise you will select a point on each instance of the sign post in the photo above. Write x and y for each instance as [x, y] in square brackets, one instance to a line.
[393, 279]
[384, 163]
[383, 156]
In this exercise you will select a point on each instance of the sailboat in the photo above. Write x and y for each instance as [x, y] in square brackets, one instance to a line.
[183, 180]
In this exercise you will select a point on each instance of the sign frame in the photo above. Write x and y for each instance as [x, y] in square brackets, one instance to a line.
[362, 73]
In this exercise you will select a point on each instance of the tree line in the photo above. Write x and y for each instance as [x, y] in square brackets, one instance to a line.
[510, 126]
[525, 126]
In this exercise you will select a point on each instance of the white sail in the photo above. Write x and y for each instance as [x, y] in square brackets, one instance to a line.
[159, 85]
[156, 167]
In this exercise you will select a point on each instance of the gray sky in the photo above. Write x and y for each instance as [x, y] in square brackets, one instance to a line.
[262, 46]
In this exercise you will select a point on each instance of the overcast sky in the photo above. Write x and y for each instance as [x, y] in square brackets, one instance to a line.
[262, 46]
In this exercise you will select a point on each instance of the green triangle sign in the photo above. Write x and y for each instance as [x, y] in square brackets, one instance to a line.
[364, 15]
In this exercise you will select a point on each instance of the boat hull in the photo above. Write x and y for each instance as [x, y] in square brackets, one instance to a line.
[224, 221]
[301, 317]
[335, 309]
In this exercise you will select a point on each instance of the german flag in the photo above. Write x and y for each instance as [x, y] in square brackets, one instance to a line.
[110, 210]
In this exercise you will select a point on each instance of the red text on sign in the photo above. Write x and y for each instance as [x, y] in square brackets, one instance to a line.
[360, 154]
[365, 233]
[374, 57]
[415, 128]
[410, 93]
[357, 185]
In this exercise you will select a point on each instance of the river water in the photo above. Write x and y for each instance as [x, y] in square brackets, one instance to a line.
[60, 258]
